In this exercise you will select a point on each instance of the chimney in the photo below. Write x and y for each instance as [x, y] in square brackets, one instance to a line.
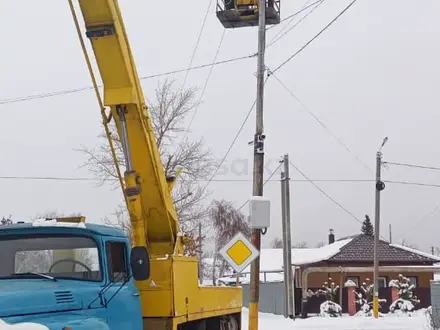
[331, 237]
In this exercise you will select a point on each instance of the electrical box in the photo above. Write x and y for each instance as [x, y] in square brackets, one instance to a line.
[259, 212]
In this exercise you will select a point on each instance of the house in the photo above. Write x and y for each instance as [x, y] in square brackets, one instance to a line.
[350, 255]
[348, 258]
[354, 258]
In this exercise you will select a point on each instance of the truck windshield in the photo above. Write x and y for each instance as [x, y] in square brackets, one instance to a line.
[69, 257]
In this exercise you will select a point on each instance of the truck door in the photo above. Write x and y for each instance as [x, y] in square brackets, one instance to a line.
[122, 297]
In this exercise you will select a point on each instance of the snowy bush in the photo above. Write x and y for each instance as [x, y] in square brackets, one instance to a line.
[366, 307]
[394, 284]
[402, 307]
[330, 309]
[407, 301]
[364, 298]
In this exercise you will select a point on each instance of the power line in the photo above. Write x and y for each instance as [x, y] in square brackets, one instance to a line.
[293, 180]
[206, 83]
[157, 75]
[280, 34]
[233, 141]
[314, 38]
[44, 95]
[325, 194]
[58, 178]
[76, 90]
[328, 196]
[321, 123]
[292, 16]
[414, 166]
[197, 43]
[410, 183]
[48, 178]
[78, 179]
[266, 181]
[424, 218]
[204, 89]
[230, 60]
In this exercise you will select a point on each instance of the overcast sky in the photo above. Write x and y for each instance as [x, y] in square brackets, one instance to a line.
[374, 73]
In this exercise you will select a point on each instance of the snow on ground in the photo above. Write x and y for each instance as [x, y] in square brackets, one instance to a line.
[22, 326]
[388, 322]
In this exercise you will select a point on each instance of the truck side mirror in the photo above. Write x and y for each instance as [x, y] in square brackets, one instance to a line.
[140, 263]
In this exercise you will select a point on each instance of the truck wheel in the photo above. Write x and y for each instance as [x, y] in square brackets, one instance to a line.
[229, 323]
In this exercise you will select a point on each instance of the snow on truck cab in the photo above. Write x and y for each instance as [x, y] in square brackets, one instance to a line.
[63, 274]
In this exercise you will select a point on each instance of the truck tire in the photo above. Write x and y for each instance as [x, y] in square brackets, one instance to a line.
[229, 323]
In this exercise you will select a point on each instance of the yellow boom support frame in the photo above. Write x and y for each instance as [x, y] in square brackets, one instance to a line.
[171, 295]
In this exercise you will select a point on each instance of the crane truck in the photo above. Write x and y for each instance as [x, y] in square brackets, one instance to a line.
[68, 274]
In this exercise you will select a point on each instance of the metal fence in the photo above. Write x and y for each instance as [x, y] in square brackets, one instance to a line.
[435, 303]
[271, 297]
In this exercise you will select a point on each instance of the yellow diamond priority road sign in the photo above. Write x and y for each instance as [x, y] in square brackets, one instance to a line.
[239, 252]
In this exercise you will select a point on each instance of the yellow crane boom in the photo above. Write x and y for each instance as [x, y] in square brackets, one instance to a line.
[171, 297]
[147, 191]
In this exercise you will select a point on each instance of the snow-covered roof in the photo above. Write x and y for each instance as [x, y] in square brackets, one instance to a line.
[420, 253]
[271, 260]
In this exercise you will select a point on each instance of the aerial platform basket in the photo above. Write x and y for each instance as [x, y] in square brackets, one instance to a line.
[244, 13]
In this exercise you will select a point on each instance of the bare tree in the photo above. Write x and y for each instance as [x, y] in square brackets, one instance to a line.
[406, 243]
[277, 243]
[300, 245]
[320, 244]
[195, 162]
[227, 222]
[120, 221]
[6, 221]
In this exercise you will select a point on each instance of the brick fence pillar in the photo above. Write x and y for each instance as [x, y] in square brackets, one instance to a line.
[394, 294]
[351, 299]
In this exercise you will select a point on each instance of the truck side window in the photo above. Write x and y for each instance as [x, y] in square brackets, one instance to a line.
[117, 261]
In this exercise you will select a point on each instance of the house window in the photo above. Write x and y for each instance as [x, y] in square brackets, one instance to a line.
[354, 279]
[412, 280]
[382, 282]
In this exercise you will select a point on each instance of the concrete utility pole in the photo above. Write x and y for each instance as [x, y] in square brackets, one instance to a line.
[379, 187]
[200, 255]
[287, 242]
[391, 235]
[254, 296]
[283, 222]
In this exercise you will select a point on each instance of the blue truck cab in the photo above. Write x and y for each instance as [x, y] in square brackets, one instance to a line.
[57, 275]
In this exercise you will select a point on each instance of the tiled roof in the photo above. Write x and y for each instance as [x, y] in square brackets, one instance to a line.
[361, 248]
